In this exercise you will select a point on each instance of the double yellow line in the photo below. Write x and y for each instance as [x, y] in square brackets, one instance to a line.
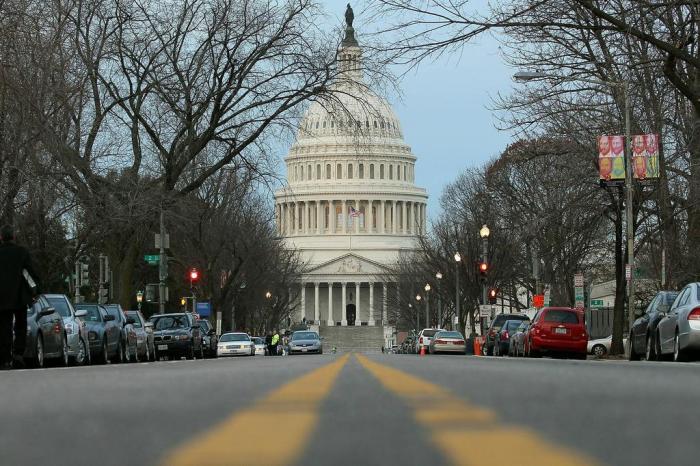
[464, 434]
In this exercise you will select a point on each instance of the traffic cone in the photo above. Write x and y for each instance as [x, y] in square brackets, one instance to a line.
[422, 350]
[477, 346]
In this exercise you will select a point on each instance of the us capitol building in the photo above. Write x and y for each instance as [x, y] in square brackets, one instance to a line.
[350, 206]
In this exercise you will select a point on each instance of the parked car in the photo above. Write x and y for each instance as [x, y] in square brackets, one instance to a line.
[76, 332]
[643, 334]
[235, 344]
[446, 341]
[678, 332]
[601, 346]
[104, 334]
[495, 326]
[145, 343]
[303, 341]
[557, 331]
[209, 338]
[517, 339]
[424, 338]
[177, 335]
[128, 341]
[46, 335]
[260, 346]
[502, 341]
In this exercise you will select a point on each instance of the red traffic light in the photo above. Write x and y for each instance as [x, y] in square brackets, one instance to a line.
[483, 267]
[194, 275]
[493, 292]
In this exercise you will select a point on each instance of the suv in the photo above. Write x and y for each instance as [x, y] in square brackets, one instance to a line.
[176, 335]
[495, 327]
[76, 332]
[425, 337]
[557, 330]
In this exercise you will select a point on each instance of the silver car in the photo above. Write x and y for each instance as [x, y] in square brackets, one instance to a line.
[678, 333]
[76, 331]
[448, 342]
[260, 346]
[304, 341]
[235, 344]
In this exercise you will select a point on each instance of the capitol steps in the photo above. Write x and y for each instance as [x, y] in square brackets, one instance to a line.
[352, 339]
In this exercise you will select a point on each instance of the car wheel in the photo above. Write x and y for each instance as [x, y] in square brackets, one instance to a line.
[678, 353]
[633, 355]
[148, 352]
[119, 355]
[65, 359]
[39, 356]
[136, 357]
[201, 352]
[127, 352]
[81, 359]
[104, 357]
[651, 349]
[190, 352]
[153, 353]
[598, 351]
[660, 356]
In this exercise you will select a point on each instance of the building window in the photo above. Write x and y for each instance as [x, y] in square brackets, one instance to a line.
[381, 172]
[309, 173]
[404, 172]
[349, 171]
[317, 125]
[302, 172]
[371, 171]
[318, 171]
[328, 171]
[332, 123]
[361, 169]
[339, 172]
[324, 123]
[391, 172]
[296, 173]
[375, 124]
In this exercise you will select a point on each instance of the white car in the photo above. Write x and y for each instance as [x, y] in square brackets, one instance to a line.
[425, 337]
[260, 346]
[235, 344]
[601, 346]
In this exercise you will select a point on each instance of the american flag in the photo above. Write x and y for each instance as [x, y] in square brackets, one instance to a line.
[353, 212]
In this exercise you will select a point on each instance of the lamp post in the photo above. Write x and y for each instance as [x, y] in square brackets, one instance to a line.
[427, 305]
[484, 233]
[438, 276]
[458, 259]
[418, 298]
[629, 187]
[139, 299]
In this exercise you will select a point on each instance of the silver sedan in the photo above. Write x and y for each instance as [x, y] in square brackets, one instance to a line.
[678, 333]
[235, 344]
[448, 342]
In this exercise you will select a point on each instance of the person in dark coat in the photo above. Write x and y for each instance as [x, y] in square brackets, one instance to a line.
[15, 296]
[268, 342]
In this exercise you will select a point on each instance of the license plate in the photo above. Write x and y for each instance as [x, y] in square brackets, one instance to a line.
[304, 350]
[560, 331]
[163, 347]
[455, 343]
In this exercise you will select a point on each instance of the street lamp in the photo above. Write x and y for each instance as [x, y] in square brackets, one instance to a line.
[458, 259]
[139, 299]
[418, 298]
[427, 305]
[624, 87]
[438, 276]
[268, 295]
[484, 233]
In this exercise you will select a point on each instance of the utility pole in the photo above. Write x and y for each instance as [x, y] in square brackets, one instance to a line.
[629, 208]
[162, 264]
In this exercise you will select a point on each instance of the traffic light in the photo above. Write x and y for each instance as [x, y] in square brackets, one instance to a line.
[84, 274]
[194, 277]
[492, 294]
[483, 268]
[183, 302]
[103, 295]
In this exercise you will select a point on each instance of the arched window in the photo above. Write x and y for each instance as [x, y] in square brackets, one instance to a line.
[404, 172]
[367, 123]
[324, 123]
[339, 172]
[328, 171]
[375, 124]
[332, 123]
[371, 171]
[318, 171]
[309, 173]
[317, 125]
[391, 172]
[302, 172]
[361, 170]
[381, 172]
[350, 173]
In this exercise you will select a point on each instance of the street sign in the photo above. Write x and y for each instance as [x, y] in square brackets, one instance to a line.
[152, 259]
[596, 303]
[578, 291]
[547, 295]
[166, 244]
[204, 309]
[628, 272]
[578, 279]
[538, 300]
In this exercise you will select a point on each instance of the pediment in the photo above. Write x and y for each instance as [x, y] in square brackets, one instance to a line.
[348, 264]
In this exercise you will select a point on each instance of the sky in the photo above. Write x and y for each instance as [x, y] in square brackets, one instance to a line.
[443, 108]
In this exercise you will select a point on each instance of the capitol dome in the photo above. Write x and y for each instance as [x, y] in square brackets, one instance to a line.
[350, 206]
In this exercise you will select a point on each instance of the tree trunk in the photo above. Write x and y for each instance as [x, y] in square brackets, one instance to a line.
[620, 283]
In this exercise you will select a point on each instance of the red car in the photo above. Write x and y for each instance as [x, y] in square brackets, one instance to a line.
[557, 330]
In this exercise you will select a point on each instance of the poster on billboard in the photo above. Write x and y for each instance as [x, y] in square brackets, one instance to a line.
[645, 156]
[611, 158]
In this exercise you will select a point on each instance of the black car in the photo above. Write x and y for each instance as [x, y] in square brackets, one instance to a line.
[177, 335]
[209, 338]
[643, 335]
[104, 334]
[496, 326]
[502, 343]
[129, 342]
[46, 335]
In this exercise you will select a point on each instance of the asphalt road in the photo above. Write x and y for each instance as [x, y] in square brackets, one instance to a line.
[351, 410]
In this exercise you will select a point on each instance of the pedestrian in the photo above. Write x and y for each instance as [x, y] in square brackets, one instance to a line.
[268, 343]
[18, 289]
[275, 342]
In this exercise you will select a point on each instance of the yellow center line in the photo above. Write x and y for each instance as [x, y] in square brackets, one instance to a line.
[467, 434]
[253, 436]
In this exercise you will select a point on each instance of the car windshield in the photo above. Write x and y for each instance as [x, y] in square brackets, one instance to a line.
[234, 337]
[305, 336]
[61, 306]
[93, 314]
[430, 332]
[449, 335]
[137, 321]
[170, 322]
[561, 316]
[512, 325]
[258, 341]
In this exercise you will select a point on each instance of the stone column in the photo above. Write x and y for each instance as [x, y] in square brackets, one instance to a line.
[371, 305]
[356, 220]
[303, 301]
[368, 214]
[394, 220]
[331, 216]
[307, 223]
[318, 217]
[404, 220]
[384, 299]
[288, 219]
[331, 320]
[317, 310]
[296, 218]
[358, 320]
[412, 217]
[344, 320]
[343, 218]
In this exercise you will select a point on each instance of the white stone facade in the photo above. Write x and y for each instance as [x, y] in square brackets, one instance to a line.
[351, 205]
